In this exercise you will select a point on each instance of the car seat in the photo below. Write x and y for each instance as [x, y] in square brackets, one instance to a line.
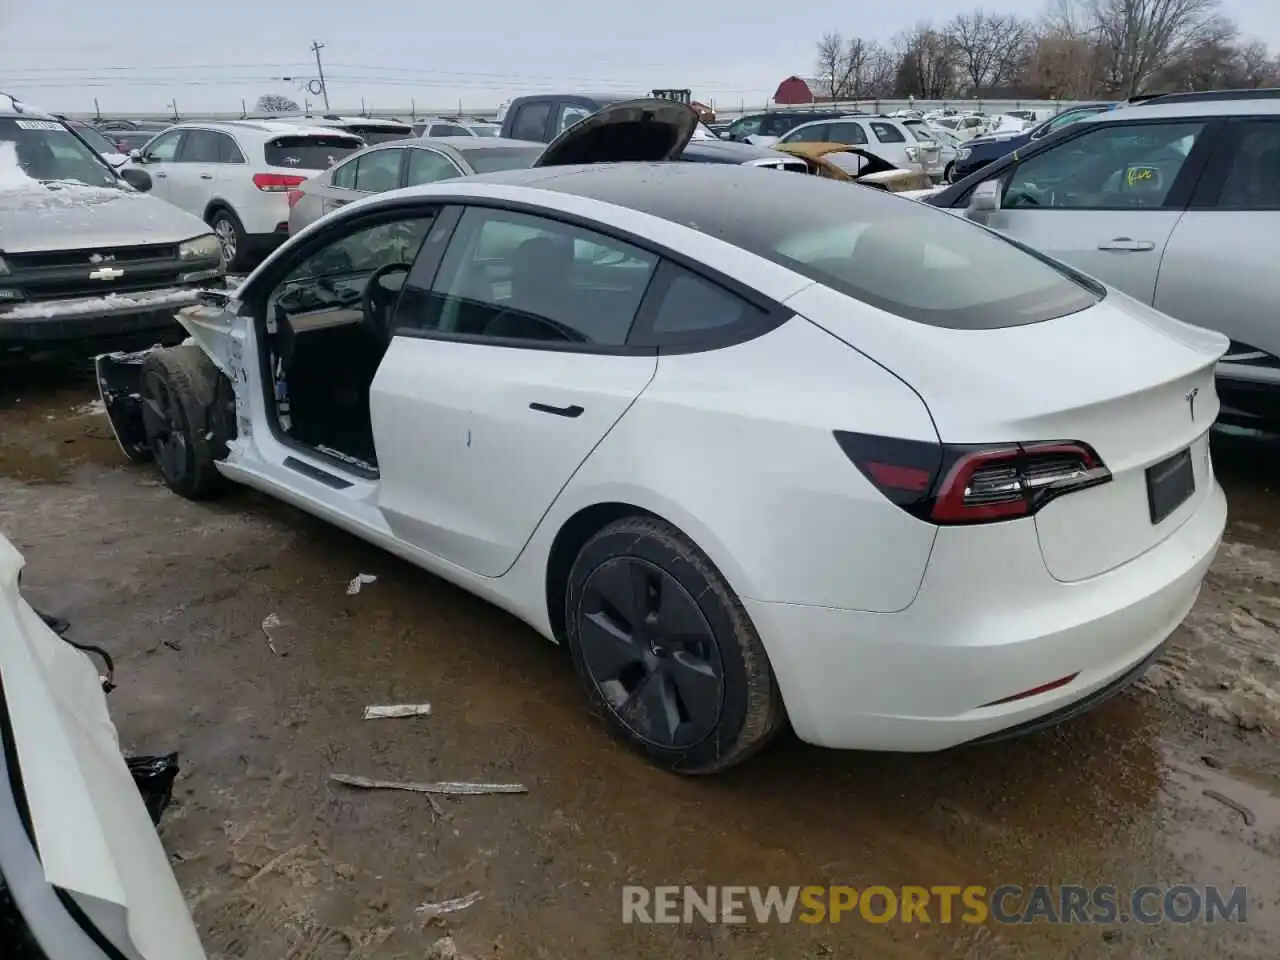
[540, 287]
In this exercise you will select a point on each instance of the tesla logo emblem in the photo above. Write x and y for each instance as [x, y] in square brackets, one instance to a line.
[98, 258]
[1191, 401]
[105, 273]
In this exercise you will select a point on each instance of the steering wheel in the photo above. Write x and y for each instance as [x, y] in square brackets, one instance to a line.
[378, 301]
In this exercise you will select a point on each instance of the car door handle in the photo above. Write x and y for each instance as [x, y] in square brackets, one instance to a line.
[1126, 245]
[206, 176]
[570, 412]
[161, 174]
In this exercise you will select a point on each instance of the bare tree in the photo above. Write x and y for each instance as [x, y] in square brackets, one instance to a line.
[925, 67]
[844, 66]
[988, 48]
[1139, 37]
[829, 69]
[275, 103]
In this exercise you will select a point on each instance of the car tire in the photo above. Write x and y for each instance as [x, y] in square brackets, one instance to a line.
[230, 233]
[180, 393]
[948, 172]
[666, 649]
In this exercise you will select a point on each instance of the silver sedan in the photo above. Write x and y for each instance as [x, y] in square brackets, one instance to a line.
[404, 163]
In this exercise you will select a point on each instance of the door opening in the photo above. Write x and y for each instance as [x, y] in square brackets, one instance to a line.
[327, 326]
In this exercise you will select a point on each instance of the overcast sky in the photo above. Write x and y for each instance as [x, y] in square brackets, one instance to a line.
[60, 54]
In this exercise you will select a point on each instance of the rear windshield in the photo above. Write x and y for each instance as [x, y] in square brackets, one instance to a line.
[379, 133]
[901, 256]
[309, 152]
[501, 158]
[921, 132]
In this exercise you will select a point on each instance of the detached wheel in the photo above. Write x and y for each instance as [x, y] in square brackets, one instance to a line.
[666, 649]
[179, 387]
[226, 227]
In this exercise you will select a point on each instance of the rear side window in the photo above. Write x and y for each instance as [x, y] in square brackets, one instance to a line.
[847, 133]
[308, 152]
[1253, 182]
[888, 133]
[809, 133]
[531, 121]
[379, 171]
[447, 130]
[689, 308]
[200, 146]
[345, 176]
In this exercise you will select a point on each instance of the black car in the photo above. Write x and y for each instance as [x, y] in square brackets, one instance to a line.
[978, 152]
[543, 117]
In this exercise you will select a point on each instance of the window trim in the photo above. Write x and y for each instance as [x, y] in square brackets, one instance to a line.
[774, 314]
[1213, 180]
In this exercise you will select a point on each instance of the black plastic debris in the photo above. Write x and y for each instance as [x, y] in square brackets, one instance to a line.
[154, 777]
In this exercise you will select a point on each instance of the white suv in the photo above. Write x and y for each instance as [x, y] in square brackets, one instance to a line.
[885, 137]
[235, 175]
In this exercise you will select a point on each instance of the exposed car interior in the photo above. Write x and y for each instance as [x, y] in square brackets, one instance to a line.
[328, 326]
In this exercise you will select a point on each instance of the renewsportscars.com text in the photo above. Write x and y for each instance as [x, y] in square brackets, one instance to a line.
[1150, 903]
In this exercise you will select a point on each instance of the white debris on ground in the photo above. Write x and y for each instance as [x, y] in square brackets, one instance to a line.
[1225, 660]
[94, 408]
[358, 581]
[446, 789]
[393, 711]
[448, 906]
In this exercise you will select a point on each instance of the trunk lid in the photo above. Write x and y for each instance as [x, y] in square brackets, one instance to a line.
[644, 130]
[1131, 383]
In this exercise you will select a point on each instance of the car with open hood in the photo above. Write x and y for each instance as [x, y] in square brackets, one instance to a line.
[753, 447]
[85, 253]
[83, 875]
[544, 117]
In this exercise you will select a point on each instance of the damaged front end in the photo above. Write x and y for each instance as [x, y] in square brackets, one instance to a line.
[144, 423]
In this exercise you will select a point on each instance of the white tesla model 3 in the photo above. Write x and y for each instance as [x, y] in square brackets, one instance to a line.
[755, 445]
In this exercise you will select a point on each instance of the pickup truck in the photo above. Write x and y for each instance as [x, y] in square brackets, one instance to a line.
[85, 254]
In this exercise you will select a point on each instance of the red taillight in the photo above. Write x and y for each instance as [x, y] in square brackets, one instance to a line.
[948, 484]
[294, 196]
[276, 182]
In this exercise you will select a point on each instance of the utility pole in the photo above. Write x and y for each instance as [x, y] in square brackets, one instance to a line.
[316, 47]
[174, 103]
[413, 109]
[97, 111]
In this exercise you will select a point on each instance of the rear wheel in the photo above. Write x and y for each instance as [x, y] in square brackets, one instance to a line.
[666, 649]
[180, 399]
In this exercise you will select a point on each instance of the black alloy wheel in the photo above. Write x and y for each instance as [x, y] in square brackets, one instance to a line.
[666, 650]
[651, 652]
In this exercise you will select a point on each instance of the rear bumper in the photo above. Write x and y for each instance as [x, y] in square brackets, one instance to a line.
[89, 318]
[927, 678]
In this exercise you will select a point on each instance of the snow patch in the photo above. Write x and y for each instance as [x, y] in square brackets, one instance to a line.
[111, 303]
[12, 176]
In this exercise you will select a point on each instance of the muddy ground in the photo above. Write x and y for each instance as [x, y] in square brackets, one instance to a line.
[1177, 781]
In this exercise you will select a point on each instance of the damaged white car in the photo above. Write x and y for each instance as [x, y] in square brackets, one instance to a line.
[757, 446]
[82, 873]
